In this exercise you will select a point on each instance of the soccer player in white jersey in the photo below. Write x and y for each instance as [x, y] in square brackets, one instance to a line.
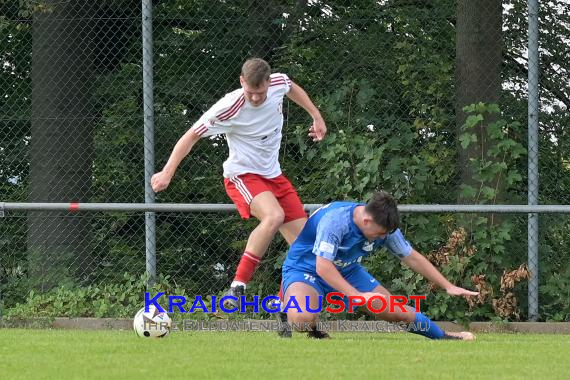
[251, 117]
[327, 255]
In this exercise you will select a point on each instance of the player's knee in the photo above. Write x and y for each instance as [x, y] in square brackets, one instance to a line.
[275, 218]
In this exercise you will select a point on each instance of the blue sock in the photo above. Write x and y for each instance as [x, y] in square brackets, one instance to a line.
[426, 327]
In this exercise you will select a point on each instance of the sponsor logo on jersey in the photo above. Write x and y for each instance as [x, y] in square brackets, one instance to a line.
[342, 264]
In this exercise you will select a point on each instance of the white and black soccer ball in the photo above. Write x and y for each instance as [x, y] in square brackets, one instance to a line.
[154, 324]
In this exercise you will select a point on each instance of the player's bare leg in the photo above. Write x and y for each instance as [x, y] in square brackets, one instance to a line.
[396, 316]
[409, 316]
[267, 210]
[300, 290]
[304, 320]
[292, 229]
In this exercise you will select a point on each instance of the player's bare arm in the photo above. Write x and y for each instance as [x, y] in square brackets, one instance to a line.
[161, 180]
[418, 263]
[318, 130]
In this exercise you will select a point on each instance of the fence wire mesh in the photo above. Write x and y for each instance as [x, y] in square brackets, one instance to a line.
[391, 79]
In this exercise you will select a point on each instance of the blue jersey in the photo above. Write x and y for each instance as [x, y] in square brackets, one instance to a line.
[331, 233]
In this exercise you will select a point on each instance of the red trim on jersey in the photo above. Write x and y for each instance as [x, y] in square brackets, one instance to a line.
[232, 110]
[278, 80]
[201, 130]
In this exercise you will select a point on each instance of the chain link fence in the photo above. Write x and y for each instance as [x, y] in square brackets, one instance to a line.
[391, 79]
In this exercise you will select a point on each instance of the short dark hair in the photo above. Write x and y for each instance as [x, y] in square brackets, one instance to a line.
[255, 71]
[384, 210]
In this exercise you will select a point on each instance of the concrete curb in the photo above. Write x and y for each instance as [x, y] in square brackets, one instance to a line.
[512, 327]
[269, 325]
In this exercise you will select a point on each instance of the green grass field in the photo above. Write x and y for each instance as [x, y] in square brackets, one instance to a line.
[72, 354]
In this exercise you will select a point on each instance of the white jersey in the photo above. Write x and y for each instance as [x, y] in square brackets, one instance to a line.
[253, 133]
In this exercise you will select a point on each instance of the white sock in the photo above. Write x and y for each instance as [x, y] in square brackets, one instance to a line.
[238, 283]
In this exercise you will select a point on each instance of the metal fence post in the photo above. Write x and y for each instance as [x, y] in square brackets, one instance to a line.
[148, 106]
[533, 98]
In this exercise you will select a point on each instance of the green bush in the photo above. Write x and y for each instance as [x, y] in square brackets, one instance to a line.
[113, 300]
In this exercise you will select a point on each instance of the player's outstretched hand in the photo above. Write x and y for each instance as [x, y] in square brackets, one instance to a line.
[160, 181]
[318, 130]
[457, 291]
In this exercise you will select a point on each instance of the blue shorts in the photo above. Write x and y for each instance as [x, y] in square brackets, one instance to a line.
[358, 277]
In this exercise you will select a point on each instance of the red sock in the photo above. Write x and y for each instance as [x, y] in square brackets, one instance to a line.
[246, 267]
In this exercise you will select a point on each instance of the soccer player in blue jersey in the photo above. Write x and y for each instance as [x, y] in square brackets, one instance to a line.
[326, 257]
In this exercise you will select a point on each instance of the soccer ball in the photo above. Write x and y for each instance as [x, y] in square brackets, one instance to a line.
[154, 324]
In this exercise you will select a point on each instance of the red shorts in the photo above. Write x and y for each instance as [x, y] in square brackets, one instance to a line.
[243, 188]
